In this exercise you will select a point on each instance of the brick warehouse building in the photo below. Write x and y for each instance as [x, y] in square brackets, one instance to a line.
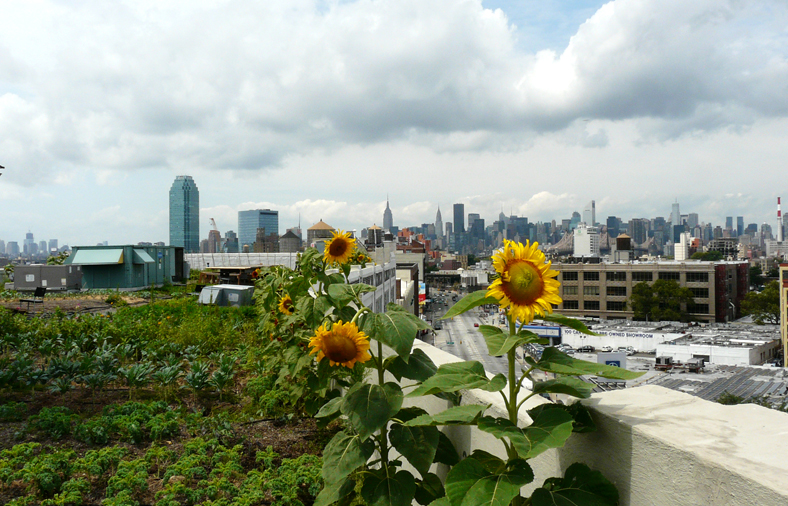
[602, 290]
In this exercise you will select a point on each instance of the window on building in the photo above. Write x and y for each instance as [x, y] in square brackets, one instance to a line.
[591, 290]
[670, 276]
[617, 276]
[697, 277]
[571, 304]
[569, 276]
[570, 290]
[617, 291]
[699, 309]
[616, 305]
[591, 305]
[700, 293]
[638, 277]
[590, 276]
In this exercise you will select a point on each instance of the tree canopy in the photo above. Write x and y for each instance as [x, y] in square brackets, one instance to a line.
[665, 300]
[707, 256]
[763, 306]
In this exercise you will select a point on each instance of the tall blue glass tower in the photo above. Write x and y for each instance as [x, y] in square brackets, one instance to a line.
[250, 221]
[185, 214]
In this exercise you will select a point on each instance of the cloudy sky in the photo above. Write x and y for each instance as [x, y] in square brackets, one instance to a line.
[321, 108]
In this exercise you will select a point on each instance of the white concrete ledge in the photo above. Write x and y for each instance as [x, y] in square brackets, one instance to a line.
[659, 446]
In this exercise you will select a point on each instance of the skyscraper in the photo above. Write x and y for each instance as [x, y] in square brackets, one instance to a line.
[459, 218]
[589, 214]
[388, 219]
[185, 214]
[250, 221]
[739, 225]
[439, 223]
[675, 215]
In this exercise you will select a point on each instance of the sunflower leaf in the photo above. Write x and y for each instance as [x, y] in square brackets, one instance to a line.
[419, 367]
[344, 454]
[369, 407]
[579, 485]
[499, 343]
[568, 322]
[458, 415]
[470, 301]
[417, 444]
[395, 328]
[560, 363]
[343, 294]
[564, 385]
[459, 376]
[384, 489]
[470, 484]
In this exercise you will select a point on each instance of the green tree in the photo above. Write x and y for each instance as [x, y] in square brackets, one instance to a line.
[58, 259]
[756, 275]
[763, 306]
[665, 300]
[707, 256]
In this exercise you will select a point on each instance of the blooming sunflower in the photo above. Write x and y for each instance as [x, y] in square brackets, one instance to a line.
[526, 284]
[340, 248]
[343, 344]
[286, 305]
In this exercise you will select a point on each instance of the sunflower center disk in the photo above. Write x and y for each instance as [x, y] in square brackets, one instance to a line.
[524, 285]
[337, 248]
[339, 348]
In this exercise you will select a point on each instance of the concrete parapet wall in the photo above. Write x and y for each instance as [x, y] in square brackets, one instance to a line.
[659, 446]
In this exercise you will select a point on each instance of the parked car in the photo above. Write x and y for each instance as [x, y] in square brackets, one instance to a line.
[475, 324]
[586, 349]
[606, 349]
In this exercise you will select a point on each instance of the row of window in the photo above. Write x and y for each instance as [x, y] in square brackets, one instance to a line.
[617, 305]
[637, 276]
[621, 291]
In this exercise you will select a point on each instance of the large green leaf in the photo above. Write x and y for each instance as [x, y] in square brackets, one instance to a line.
[313, 309]
[470, 484]
[446, 453]
[417, 444]
[550, 429]
[429, 489]
[395, 328]
[330, 408]
[568, 322]
[343, 293]
[419, 366]
[344, 454]
[470, 301]
[459, 376]
[369, 407]
[443, 501]
[458, 415]
[381, 489]
[499, 343]
[558, 362]
[580, 414]
[580, 485]
[332, 492]
[564, 385]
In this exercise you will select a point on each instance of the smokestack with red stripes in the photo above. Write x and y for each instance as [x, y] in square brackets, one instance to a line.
[779, 222]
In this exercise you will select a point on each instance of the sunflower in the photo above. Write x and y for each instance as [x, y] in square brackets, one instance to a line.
[525, 285]
[340, 248]
[286, 305]
[343, 344]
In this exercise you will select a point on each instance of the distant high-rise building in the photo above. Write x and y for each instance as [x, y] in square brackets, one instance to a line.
[675, 214]
[612, 226]
[230, 244]
[472, 217]
[739, 225]
[214, 241]
[729, 222]
[12, 249]
[439, 224]
[589, 214]
[388, 219]
[42, 247]
[185, 214]
[2, 247]
[29, 246]
[250, 221]
[459, 218]
[692, 220]
[586, 241]
[53, 244]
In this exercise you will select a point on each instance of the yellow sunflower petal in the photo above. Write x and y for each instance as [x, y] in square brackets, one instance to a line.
[340, 248]
[343, 344]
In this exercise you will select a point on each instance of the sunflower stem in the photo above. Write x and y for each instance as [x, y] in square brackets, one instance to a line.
[514, 386]
[384, 443]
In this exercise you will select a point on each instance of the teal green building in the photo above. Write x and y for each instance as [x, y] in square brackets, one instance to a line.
[127, 267]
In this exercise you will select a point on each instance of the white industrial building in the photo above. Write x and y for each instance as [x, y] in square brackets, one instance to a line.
[586, 241]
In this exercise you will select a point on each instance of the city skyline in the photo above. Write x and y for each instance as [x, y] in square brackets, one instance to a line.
[542, 109]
